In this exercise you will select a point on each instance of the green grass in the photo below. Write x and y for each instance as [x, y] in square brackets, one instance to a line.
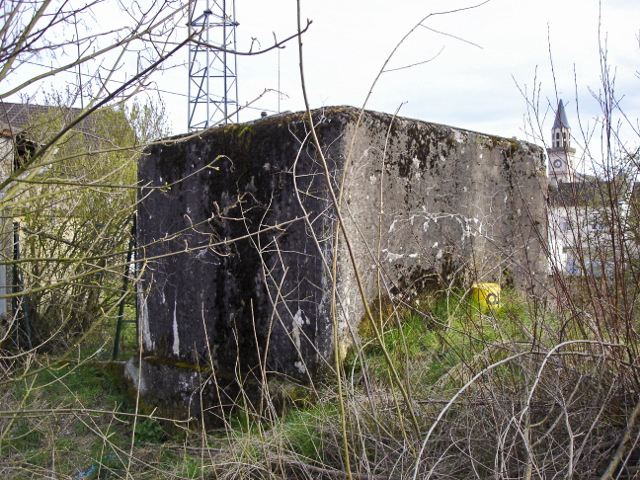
[436, 346]
[307, 434]
[71, 420]
[84, 385]
[437, 334]
[150, 431]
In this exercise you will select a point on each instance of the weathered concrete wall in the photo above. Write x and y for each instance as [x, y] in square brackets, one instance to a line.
[239, 230]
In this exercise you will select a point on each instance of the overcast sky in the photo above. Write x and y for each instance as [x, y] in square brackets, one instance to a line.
[469, 75]
[479, 61]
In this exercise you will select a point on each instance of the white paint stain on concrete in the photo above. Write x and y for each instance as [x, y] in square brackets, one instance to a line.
[298, 321]
[300, 366]
[458, 136]
[299, 318]
[176, 339]
[144, 323]
[392, 257]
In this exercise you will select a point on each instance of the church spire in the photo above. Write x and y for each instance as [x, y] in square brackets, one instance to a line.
[561, 155]
[561, 118]
[561, 132]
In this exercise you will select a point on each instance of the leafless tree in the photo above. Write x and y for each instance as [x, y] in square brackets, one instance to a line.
[546, 388]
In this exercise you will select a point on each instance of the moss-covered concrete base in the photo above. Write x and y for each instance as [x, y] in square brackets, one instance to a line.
[184, 392]
[180, 392]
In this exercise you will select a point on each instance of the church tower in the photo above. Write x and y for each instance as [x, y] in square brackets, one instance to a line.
[561, 155]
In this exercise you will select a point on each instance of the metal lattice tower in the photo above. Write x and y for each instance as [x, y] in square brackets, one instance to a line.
[213, 84]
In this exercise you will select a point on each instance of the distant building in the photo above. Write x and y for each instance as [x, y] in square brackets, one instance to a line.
[17, 123]
[17, 143]
[561, 156]
[15, 147]
[582, 209]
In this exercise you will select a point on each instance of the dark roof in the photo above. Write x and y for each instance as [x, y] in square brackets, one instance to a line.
[589, 191]
[19, 117]
[572, 193]
[561, 117]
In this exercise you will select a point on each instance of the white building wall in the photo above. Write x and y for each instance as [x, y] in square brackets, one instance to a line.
[579, 239]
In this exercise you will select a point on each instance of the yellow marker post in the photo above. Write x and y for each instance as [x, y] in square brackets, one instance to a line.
[486, 296]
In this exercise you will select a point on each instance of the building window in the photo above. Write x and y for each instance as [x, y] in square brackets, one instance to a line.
[573, 267]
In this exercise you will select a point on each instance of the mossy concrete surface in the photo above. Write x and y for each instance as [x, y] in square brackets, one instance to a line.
[237, 228]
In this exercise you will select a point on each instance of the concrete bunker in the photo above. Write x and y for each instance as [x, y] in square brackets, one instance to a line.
[238, 230]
